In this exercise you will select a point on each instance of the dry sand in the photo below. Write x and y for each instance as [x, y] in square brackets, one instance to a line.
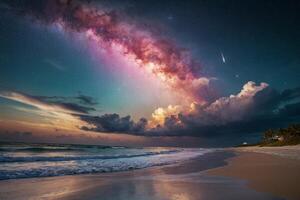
[274, 170]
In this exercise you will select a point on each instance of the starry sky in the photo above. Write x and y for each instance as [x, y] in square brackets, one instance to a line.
[148, 73]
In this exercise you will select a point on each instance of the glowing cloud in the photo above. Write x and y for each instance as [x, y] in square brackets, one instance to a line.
[56, 114]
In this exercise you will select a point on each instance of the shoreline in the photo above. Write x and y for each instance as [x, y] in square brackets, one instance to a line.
[212, 160]
[186, 180]
[275, 170]
[223, 174]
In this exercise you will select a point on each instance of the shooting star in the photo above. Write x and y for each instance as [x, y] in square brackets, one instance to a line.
[223, 58]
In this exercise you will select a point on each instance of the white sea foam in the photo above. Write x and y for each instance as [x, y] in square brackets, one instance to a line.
[20, 164]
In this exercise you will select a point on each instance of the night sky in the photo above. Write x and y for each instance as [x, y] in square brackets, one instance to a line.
[148, 73]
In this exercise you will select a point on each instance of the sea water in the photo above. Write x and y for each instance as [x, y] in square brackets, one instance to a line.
[40, 160]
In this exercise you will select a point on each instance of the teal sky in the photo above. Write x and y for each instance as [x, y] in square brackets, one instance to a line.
[45, 61]
[234, 50]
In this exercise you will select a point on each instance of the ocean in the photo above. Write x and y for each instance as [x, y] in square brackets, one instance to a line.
[41, 160]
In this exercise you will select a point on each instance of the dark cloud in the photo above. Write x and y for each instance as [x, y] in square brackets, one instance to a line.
[75, 107]
[87, 100]
[290, 110]
[79, 99]
[290, 94]
[256, 108]
[62, 104]
[269, 109]
[114, 123]
[80, 103]
[140, 126]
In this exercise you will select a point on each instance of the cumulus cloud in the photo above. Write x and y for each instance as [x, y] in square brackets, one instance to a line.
[179, 120]
[221, 111]
[232, 108]
[254, 108]
[160, 114]
[113, 123]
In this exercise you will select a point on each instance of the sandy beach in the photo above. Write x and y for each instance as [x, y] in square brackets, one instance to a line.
[274, 170]
[185, 181]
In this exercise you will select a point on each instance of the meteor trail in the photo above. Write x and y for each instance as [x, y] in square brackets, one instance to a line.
[223, 58]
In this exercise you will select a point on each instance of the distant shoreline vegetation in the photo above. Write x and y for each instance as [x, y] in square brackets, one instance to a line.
[279, 137]
[282, 136]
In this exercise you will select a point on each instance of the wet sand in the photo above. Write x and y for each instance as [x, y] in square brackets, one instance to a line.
[185, 181]
[273, 170]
